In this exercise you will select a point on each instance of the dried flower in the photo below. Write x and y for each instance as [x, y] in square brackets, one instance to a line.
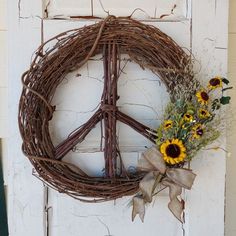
[203, 97]
[215, 82]
[168, 124]
[197, 131]
[173, 151]
[203, 113]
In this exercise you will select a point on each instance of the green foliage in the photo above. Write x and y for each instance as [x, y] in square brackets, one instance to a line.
[225, 100]
[225, 81]
[216, 104]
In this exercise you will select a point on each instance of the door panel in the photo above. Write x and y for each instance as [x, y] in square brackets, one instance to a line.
[25, 194]
[140, 93]
[209, 46]
[198, 26]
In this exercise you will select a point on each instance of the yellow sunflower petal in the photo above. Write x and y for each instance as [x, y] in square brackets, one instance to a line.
[172, 161]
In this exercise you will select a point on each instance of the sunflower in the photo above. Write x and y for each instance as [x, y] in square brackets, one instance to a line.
[203, 113]
[197, 131]
[203, 97]
[168, 124]
[215, 82]
[173, 151]
[188, 117]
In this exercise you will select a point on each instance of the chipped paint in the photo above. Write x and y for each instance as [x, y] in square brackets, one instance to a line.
[99, 9]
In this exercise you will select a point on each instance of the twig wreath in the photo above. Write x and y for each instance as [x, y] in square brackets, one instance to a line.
[187, 123]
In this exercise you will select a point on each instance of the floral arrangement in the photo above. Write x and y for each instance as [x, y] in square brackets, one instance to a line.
[189, 124]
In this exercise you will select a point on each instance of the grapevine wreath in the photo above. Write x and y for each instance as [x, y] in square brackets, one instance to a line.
[189, 123]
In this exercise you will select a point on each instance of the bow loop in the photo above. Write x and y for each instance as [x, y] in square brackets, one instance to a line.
[148, 183]
[152, 160]
[182, 177]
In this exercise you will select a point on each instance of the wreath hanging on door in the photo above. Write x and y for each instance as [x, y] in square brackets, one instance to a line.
[190, 121]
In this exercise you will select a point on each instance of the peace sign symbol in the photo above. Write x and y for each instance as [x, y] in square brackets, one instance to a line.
[109, 113]
[147, 46]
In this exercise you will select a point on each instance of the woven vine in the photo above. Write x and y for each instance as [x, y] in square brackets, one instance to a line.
[148, 47]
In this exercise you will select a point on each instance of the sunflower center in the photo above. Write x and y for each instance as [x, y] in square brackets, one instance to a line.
[204, 96]
[203, 113]
[214, 82]
[173, 150]
[199, 132]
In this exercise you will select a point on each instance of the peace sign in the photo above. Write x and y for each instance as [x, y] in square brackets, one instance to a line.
[109, 112]
[145, 45]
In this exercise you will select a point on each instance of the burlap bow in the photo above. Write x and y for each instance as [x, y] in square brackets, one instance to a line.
[173, 178]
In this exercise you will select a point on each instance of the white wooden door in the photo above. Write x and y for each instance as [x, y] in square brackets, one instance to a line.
[199, 26]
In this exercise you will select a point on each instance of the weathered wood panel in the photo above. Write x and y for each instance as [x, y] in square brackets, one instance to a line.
[28, 198]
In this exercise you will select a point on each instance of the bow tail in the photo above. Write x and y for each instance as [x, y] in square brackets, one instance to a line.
[147, 186]
[175, 205]
[138, 208]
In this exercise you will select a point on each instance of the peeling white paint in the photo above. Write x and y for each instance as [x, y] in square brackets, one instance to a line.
[171, 9]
